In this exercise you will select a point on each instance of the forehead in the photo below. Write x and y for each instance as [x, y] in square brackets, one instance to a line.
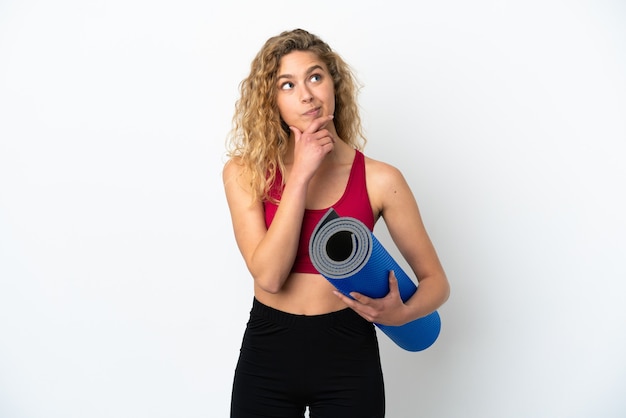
[298, 62]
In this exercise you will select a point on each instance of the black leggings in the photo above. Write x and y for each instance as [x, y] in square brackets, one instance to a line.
[328, 362]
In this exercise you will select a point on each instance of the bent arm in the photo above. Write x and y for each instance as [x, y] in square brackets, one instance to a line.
[404, 222]
[392, 198]
[269, 253]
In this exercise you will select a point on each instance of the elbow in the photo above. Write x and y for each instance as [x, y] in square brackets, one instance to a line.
[269, 283]
[268, 274]
[446, 292]
[269, 277]
[269, 287]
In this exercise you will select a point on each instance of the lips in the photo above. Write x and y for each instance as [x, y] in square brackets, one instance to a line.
[313, 112]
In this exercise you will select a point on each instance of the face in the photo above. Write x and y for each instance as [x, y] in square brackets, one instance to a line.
[305, 89]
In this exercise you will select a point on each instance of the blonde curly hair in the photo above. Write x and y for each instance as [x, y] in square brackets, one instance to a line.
[259, 136]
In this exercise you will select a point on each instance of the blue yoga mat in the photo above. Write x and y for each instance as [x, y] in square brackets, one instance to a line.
[350, 257]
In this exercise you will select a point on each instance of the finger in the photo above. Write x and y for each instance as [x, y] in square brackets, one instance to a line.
[328, 135]
[349, 302]
[393, 283]
[361, 298]
[318, 123]
[354, 305]
[322, 137]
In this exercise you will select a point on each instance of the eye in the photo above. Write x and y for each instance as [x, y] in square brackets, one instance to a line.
[316, 77]
[286, 86]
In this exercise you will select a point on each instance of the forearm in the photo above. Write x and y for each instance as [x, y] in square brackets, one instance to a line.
[273, 259]
[432, 292]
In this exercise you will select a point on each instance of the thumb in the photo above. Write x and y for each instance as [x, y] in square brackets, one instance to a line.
[296, 132]
[393, 282]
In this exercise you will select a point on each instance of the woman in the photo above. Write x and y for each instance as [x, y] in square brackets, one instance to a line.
[295, 151]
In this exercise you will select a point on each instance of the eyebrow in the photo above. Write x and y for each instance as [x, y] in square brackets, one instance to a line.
[308, 71]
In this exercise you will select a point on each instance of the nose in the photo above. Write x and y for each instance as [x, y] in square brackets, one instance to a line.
[306, 96]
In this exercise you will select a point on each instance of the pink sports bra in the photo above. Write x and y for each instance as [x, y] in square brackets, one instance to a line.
[354, 203]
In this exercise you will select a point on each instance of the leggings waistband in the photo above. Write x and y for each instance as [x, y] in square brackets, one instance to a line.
[289, 319]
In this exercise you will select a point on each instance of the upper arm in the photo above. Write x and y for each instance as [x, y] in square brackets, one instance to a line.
[248, 219]
[398, 207]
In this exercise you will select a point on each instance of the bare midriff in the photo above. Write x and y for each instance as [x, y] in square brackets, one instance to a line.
[302, 294]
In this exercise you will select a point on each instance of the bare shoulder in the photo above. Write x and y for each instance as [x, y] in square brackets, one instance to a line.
[385, 185]
[381, 174]
[234, 174]
[236, 181]
[232, 168]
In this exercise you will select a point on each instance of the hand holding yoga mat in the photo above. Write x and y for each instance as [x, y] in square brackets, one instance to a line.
[350, 257]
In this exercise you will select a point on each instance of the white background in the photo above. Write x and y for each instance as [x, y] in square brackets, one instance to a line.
[122, 293]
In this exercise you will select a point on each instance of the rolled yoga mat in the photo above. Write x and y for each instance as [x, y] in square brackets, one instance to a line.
[350, 257]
